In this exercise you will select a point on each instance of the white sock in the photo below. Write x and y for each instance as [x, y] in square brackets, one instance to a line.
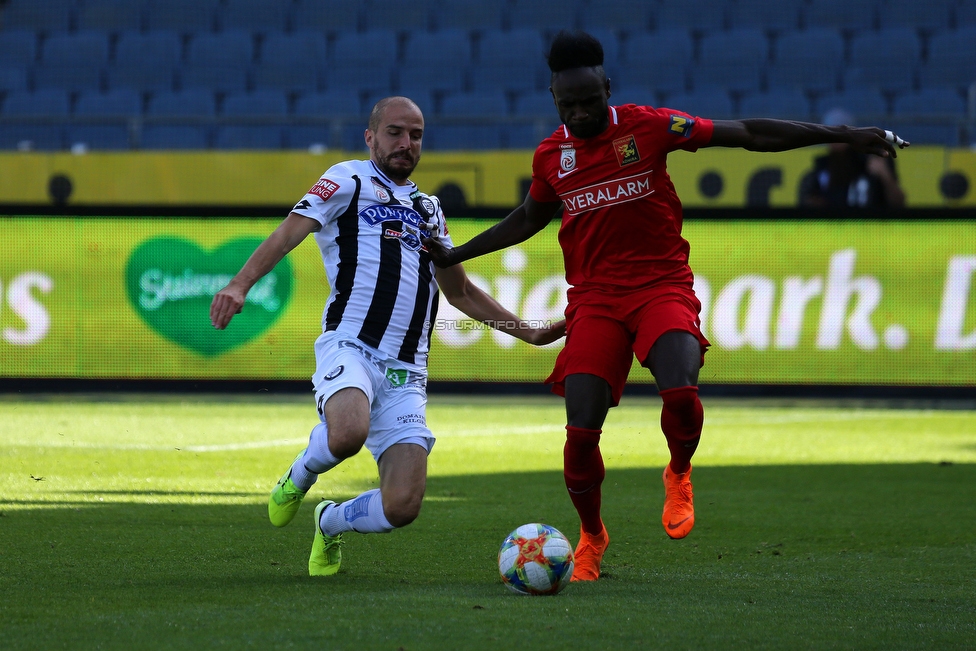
[316, 460]
[363, 514]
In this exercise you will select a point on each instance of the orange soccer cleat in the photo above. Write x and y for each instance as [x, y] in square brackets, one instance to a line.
[588, 555]
[679, 507]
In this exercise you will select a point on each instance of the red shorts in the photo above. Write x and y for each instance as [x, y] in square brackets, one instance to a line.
[604, 332]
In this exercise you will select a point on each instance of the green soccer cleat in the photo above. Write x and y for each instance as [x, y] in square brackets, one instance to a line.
[326, 553]
[286, 499]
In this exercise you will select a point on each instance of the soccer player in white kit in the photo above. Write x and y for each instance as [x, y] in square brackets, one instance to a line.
[371, 358]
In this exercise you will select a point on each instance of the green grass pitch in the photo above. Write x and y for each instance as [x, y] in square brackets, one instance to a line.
[131, 522]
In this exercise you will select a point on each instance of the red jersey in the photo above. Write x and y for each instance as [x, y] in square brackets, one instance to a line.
[621, 225]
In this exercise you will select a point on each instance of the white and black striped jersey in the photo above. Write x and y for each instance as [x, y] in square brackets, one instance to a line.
[383, 290]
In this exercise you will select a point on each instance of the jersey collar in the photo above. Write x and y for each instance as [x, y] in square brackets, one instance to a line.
[613, 121]
[379, 173]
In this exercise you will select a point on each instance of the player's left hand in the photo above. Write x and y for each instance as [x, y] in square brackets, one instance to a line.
[872, 140]
[226, 303]
[543, 336]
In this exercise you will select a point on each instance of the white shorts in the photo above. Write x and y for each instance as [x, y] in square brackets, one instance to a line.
[397, 391]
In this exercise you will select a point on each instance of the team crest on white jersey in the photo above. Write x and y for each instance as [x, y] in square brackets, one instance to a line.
[382, 194]
[567, 158]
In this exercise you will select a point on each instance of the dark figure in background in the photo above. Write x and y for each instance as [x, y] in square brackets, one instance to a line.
[845, 177]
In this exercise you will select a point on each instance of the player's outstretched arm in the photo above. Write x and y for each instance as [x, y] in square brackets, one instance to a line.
[467, 297]
[766, 134]
[230, 300]
[521, 224]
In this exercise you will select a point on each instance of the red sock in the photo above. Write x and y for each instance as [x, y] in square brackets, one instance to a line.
[584, 472]
[681, 421]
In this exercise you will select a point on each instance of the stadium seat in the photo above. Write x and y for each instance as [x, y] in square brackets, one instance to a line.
[778, 17]
[42, 111]
[258, 103]
[363, 61]
[711, 103]
[257, 16]
[183, 16]
[436, 61]
[487, 104]
[547, 16]
[329, 104]
[658, 61]
[18, 47]
[43, 103]
[72, 62]
[951, 59]
[782, 103]
[966, 15]
[631, 16]
[885, 59]
[48, 17]
[309, 136]
[930, 15]
[810, 59]
[248, 136]
[612, 49]
[439, 137]
[29, 137]
[168, 136]
[536, 104]
[326, 16]
[110, 15]
[219, 62]
[528, 136]
[944, 133]
[512, 61]
[145, 62]
[199, 103]
[404, 16]
[733, 60]
[470, 15]
[702, 17]
[13, 77]
[116, 103]
[846, 15]
[934, 101]
[98, 136]
[292, 62]
[865, 104]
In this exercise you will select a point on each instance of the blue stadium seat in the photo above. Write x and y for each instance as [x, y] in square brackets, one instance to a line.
[885, 59]
[631, 16]
[247, 136]
[930, 15]
[13, 77]
[966, 15]
[470, 15]
[710, 103]
[329, 104]
[18, 46]
[487, 104]
[547, 16]
[110, 15]
[145, 62]
[658, 61]
[327, 16]
[309, 136]
[29, 137]
[528, 136]
[292, 61]
[436, 61]
[640, 95]
[183, 16]
[258, 16]
[258, 103]
[440, 137]
[49, 16]
[513, 61]
[612, 48]
[98, 136]
[116, 103]
[846, 15]
[218, 62]
[810, 59]
[44, 103]
[404, 16]
[72, 62]
[733, 60]
[363, 61]
[933, 101]
[537, 104]
[781, 103]
[865, 104]
[705, 16]
[951, 59]
[199, 103]
[168, 136]
[781, 16]
[946, 134]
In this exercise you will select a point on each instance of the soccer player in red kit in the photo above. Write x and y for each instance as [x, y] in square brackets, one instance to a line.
[627, 265]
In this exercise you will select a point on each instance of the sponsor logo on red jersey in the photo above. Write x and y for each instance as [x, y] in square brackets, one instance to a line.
[608, 193]
[324, 189]
[681, 125]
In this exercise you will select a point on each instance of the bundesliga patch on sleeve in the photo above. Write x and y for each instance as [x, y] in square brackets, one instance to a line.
[324, 188]
[680, 125]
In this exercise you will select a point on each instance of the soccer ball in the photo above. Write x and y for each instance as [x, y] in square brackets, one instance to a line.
[536, 559]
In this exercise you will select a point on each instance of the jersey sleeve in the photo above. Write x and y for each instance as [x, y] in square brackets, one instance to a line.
[540, 190]
[328, 198]
[679, 129]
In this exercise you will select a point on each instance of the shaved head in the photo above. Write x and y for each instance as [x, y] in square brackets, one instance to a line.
[376, 115]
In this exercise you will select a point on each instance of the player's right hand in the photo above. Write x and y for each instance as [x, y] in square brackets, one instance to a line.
[226, 303]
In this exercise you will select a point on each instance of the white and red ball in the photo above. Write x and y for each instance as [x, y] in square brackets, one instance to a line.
[536, 559]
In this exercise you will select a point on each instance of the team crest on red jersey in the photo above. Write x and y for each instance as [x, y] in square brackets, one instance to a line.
[567, 159]
[626, 150]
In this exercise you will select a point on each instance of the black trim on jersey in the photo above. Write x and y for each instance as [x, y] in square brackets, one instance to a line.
[408, 349]
[384, 294]
[348, 242]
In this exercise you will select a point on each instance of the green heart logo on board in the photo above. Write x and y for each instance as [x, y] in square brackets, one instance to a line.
[171, 283]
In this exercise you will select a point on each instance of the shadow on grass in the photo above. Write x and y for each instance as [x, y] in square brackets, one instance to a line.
[861, 556]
